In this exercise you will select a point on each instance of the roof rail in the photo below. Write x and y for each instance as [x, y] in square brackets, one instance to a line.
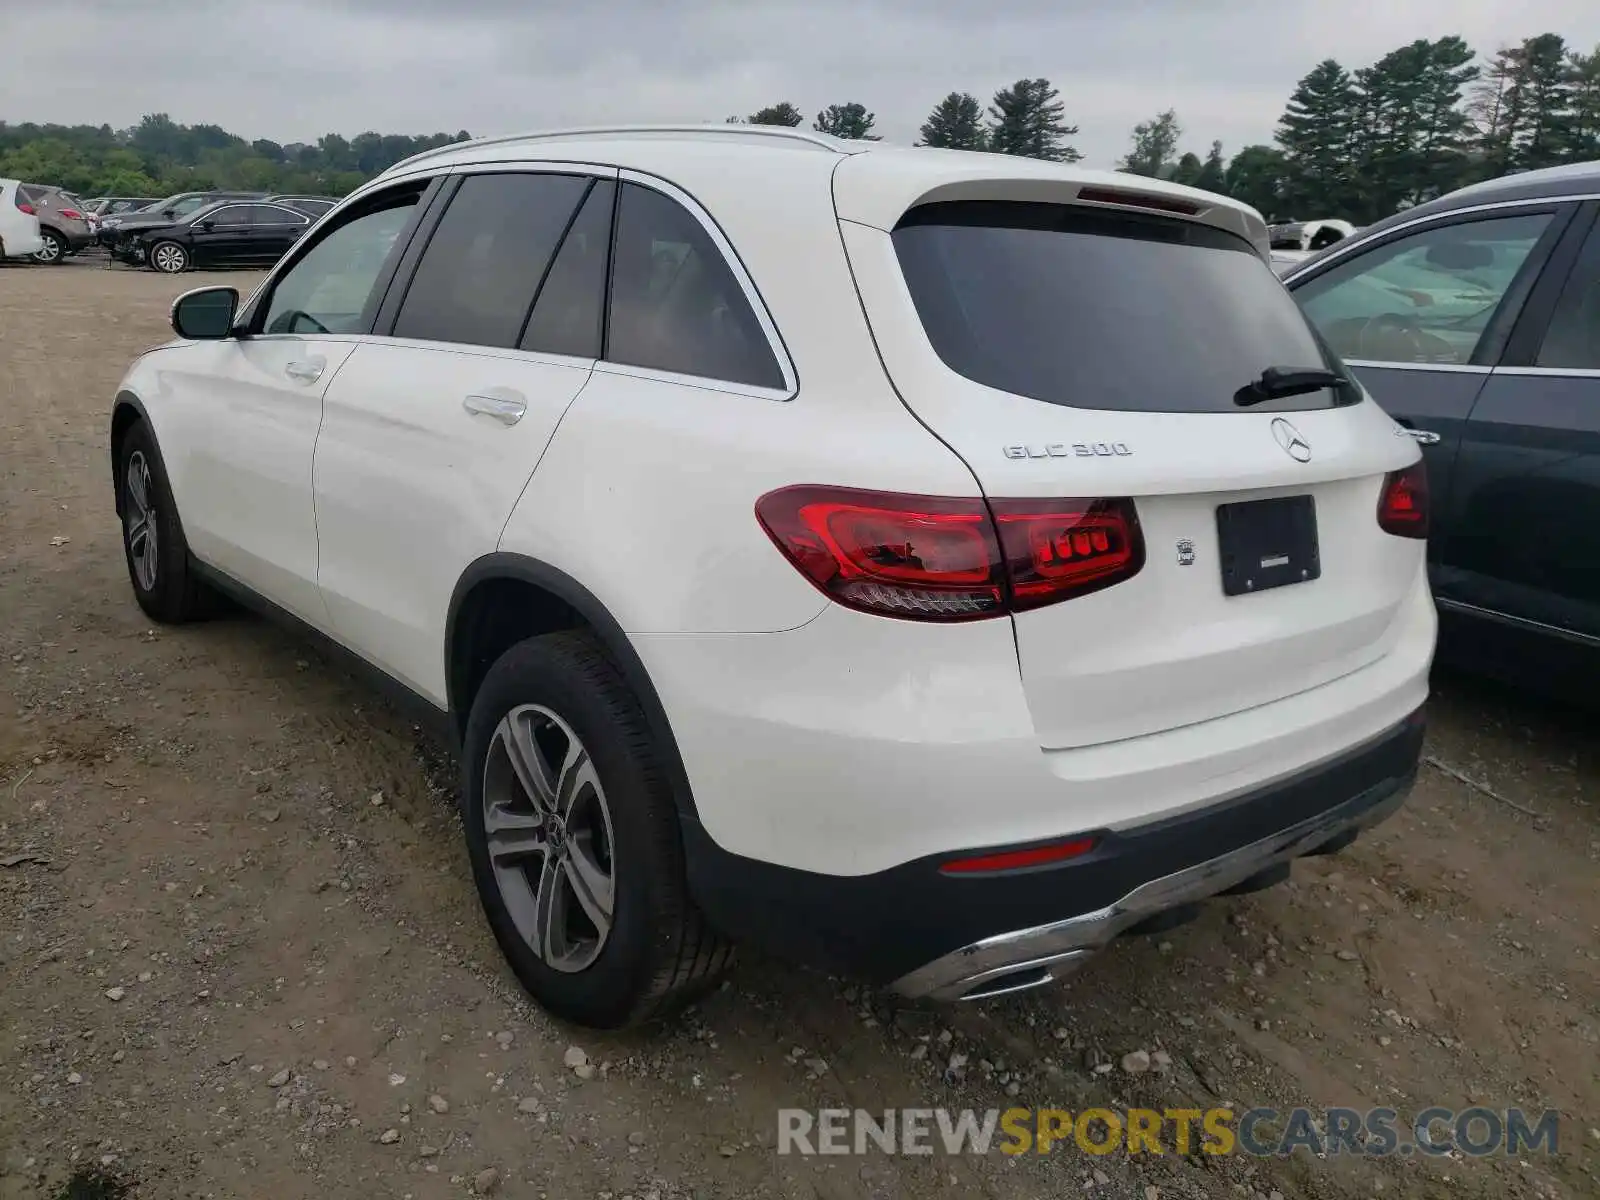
[732, 128]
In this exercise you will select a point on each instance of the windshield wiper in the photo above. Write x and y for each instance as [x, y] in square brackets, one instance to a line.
[1277, 382]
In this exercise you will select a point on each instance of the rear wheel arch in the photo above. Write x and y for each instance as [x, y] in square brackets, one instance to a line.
[502, 599]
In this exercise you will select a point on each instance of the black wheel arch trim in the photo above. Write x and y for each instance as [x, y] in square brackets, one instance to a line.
[606, 628]
[125, 400]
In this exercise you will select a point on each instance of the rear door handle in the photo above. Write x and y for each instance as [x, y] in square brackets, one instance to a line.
[506, 407]
[305, 372]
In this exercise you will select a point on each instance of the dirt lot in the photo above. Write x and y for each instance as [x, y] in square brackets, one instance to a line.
[241, 955]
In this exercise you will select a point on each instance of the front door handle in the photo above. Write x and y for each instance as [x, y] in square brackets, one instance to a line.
[1425, 437]
[506, 407]
[305, 372]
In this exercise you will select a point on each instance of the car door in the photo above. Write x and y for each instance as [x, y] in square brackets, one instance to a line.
[220, 236]
[252, 404]
[1526, 544]
[430, 433]
[1421, 314]
[273, 229]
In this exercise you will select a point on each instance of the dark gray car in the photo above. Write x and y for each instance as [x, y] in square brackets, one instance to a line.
[1476, 318]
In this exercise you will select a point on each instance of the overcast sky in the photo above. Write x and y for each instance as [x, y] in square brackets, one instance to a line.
[291, 71]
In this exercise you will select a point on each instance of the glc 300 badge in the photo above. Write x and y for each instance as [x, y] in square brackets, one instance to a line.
[1070, 450]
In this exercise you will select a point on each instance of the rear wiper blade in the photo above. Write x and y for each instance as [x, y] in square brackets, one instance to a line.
[1277, 382]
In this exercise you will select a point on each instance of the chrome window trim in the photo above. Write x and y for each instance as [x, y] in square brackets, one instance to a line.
[1455, 368]
[1571, 372]
[775, 344]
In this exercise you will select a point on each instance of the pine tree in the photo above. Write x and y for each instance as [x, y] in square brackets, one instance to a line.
[1317, 133]
[1255, 176]
[850, 120]
[777, 114]
[1155, 145]
[1025, 119]
[1527, 107]
[956, 123]
[1186, 170]
[1213, 172]
[1584, 125]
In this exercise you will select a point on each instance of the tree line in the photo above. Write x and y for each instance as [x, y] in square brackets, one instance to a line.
[1424, 119]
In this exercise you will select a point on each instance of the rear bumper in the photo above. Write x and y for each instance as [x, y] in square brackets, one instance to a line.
[946, 937]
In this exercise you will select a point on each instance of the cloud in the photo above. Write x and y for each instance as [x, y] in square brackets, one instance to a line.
[293, 69]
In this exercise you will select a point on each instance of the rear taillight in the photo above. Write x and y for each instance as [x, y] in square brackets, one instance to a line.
[72, 214]
[937, 558]
[1403, 507]
[24, 206]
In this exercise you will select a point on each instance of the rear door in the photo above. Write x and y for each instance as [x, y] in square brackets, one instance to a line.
[1421, 315]
[432, 429]
[1525, 543]
[1077, 353]
[273, 229]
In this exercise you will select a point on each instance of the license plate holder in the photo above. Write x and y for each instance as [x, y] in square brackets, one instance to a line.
[1266, 544]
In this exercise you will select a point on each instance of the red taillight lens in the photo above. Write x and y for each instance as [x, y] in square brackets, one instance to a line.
[1062, 548]
[72, 214]
[936, 558]
[1016, 860]
[24, 206]
[1403, 507]
[929, 557]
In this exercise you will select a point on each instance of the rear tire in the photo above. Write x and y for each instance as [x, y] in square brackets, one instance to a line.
[159, 567]
[55, 248]
[553, 710]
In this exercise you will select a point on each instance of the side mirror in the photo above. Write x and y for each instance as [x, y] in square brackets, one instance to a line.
[208, 225]
[205, 314]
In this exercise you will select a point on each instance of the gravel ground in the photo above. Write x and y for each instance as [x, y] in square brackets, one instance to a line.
[241, 955]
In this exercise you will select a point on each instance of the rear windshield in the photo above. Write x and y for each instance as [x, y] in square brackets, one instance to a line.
[1096, 309]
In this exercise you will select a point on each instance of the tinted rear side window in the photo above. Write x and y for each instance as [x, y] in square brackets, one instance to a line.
[1103, 310]
[568, 317]
[675, 303]
[483, 265]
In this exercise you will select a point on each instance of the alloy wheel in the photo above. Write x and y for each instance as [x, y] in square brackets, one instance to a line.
[169, 258]
[143, 537]
[547, 825]
[51, 252]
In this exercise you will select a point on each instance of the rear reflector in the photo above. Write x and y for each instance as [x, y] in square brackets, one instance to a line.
[1016, 860]
[938, 558]
[1403, 507]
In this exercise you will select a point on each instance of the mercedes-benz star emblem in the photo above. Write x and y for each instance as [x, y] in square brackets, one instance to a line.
[1295, 446]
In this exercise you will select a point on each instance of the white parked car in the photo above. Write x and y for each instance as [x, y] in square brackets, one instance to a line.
[19, 224]
[928, 564]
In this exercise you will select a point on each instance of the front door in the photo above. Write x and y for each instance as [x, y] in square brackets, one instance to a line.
[220, 236]
[255, 404]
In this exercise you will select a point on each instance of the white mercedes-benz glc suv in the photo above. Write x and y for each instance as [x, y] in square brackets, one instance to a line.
[931, 565]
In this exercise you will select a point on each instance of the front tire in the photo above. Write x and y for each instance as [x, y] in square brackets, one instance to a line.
[169, 258]
[55, 248]
[152, 536]
[573, 836]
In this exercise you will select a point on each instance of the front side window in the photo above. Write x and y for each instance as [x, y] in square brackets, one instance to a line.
[675, 303]
[231, 214]
[1423, 298]
[484, 263]
[328, 289]
[193, 204]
